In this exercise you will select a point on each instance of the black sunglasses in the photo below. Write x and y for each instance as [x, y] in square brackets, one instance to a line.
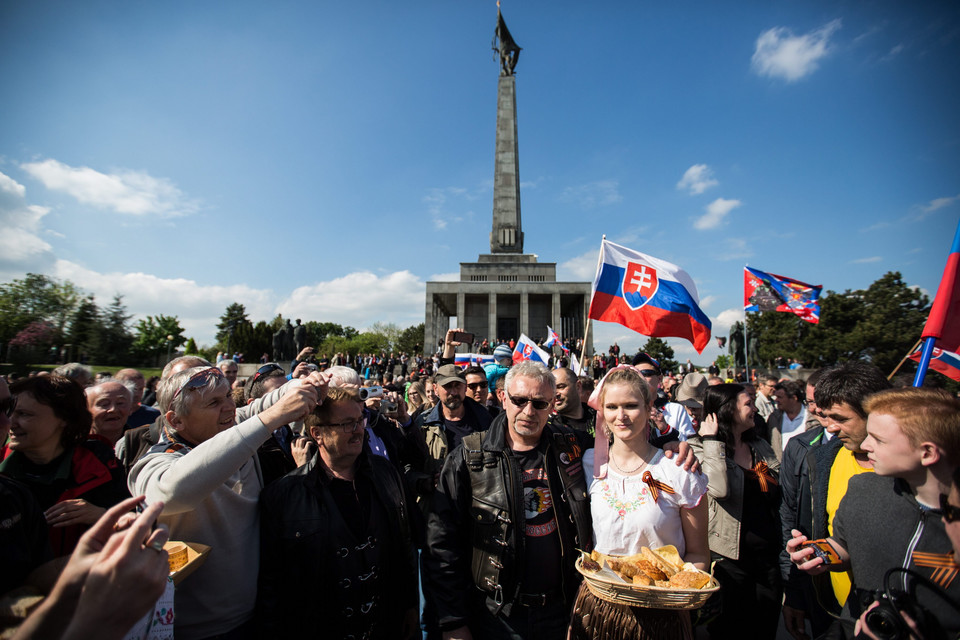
[950, 512]
[539, 405]
[473, 386]
[265, 369]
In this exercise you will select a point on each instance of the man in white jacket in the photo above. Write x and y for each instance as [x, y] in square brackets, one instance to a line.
[205, 470]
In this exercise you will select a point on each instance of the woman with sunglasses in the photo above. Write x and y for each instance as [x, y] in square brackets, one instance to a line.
[638, 498]
[75, 479]
[744, 501]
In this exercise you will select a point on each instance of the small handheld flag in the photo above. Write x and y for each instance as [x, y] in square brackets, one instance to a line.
[554, 339]
[651, 296]
[942, 330]
[527, 349]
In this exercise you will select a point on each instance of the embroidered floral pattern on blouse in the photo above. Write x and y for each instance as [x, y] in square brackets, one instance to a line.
[616, 502]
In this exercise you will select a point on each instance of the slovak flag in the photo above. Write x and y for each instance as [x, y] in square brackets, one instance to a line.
[651, 296]
[554, 339]
[464, 360]
[946, 362]
[527, 349]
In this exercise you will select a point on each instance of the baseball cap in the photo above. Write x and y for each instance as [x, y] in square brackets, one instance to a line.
[449, 373]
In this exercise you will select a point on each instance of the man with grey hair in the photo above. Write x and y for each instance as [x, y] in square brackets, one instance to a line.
[79, 373]
[205, 471]
[110, 404]
[493, 510]
[141, 414]
[229, 369]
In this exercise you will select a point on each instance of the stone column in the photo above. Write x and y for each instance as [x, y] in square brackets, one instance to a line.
[429, 329]
[492, 319]
[524, 312]
[555, 315]
[461, 309]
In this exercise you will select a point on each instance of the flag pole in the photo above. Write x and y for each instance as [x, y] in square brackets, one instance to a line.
[746, 345]
[905, 358]
[586, 331]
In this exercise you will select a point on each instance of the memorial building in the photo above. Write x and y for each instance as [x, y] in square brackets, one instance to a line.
[506, 292]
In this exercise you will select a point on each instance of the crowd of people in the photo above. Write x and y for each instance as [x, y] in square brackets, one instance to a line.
[407, 496]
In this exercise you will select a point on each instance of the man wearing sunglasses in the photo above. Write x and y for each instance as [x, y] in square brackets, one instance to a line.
[206, 472]
[894, 517]
[511, 504]
[337, 535]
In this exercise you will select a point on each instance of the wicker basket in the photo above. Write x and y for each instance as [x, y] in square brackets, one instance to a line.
[648, 597]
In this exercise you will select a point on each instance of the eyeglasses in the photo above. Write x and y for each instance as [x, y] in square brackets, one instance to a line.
[264, 370]
[350, 426]
[520, 403]
[649, 373]
[950, 512]
[200, 379]
[473, 386]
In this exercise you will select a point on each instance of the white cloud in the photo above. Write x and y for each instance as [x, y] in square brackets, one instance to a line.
[780, 54]
[866, 260]
[129, 192]
[706, 301]
[453, 276]
[197, 307]
[697, 179]
[11, 186]
[599, 193]
[726, 319]
[716, 213]
[921, 211]
[582, 268]
[21, 247]
[893, 53]
[442, 201]
[360, 299]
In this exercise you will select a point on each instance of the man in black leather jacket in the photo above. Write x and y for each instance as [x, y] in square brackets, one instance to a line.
[509, 513]
[336, 555]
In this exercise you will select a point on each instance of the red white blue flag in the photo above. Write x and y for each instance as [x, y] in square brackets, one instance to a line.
[527, 349]
[946, 362]
[554, 339]
[464, 360]
[651, 296]
[764, 291]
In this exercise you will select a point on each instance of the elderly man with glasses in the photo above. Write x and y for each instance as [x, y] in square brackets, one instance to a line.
[205, 471]
[337, 535]
[511, 503]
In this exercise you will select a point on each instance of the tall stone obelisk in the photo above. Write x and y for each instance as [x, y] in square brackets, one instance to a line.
[507, 233]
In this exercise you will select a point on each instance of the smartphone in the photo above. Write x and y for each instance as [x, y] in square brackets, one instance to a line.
[822, 549]
[462, 337]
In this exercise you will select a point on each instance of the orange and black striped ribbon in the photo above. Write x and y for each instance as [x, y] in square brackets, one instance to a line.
[944, 569]
[764, 476]
[655, 485]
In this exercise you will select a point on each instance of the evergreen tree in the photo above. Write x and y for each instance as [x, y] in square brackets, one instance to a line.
[115, 338]
[231, 321]
[85, 330]
[662, 352]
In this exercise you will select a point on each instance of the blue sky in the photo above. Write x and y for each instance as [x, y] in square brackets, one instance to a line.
[325, 160]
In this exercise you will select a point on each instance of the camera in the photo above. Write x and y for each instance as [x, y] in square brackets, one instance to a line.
[661, 400]
[368, 393]
[886, 621]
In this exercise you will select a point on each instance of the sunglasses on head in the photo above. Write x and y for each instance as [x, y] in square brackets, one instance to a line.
[264, 370]
[520, 403]
[950, 512]
[199, 379]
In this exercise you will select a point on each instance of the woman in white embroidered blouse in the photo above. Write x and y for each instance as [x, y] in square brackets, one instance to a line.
[638, 498]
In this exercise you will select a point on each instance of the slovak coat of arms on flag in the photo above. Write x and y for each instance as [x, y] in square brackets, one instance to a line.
[640, 284]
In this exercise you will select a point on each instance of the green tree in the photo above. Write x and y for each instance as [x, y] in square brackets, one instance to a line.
[190, 348]
[113, 345]
[231, 321]
[35, 298]
[662, 352]
[411, 340]
[151, 343]
[85, 327]
[878, 324]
